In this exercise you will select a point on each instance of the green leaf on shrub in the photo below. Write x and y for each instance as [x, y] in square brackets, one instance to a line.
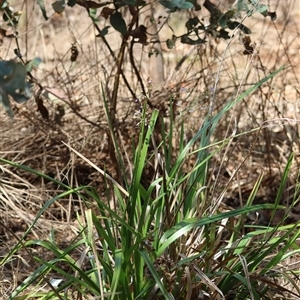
[197, 7]
[215, 13]
[131, 2]
[4, 4]
[184, 4]
[272, 15]
[185, 39]
[17, 52]
[103, 32]
[13, 83]
[234, 24]
[167, 4]
[225, 18]
[118, 23]
[41, 4]
[59, 6]
[171, 42]
[71, 3]
[173, 5]
[262, 9]
[33, 64]
[93, 14]
[242, 5]
[191, 23]
[223, 34]
[9, 15]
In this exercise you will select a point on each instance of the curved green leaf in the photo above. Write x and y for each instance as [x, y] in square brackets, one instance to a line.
[59, 6]
[118, 23]
[41, 4]
[34, 63]
[13, 82]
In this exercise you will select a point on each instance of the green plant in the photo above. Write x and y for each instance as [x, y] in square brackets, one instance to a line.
[13, 83]
[167, 239]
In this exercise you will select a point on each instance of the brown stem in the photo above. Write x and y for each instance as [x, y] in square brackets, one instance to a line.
[136, 71]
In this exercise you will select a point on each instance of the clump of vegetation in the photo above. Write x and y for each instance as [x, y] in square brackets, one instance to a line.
[124, 188]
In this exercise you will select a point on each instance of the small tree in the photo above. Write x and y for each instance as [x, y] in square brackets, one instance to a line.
[126, 18]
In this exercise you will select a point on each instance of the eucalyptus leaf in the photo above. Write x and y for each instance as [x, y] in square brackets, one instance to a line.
[170, 43]
[167, 4]
[131, 2]
[263, 10]
[185, 39]
[59, 6]
[13, 83]
[223, 34]
[242, 5]
[186, 5]
[191, 23]
[72, 3]
[173, 5]
[4, 4]
[93, 14]
[272, 15]
[103, 32]
[34, 63]
[118, 23]
[41, 4]
[225, 18]
[197, 7]
[234, 24]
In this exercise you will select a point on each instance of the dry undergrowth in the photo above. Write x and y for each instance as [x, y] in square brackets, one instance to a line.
[211, 74]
